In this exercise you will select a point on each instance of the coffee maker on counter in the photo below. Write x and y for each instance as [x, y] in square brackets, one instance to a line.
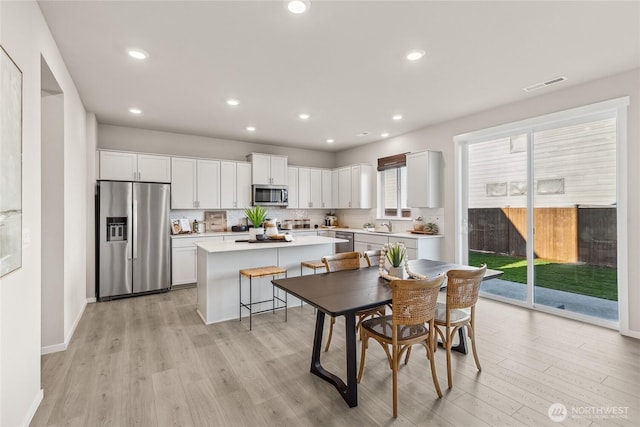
[330, 220]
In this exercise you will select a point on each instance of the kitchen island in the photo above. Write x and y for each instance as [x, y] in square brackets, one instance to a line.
[219, 263]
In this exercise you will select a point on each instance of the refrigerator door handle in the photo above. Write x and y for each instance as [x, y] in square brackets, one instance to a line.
[129, 241]
[135, 229]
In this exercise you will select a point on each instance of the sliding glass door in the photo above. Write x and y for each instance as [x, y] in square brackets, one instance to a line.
[574, 210]
[497, 222]
[556, 182]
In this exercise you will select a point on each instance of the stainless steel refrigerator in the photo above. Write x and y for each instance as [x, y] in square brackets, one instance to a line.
[132, 238]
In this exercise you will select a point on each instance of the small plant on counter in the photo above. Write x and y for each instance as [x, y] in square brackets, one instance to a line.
[256, 215]
[431, 227]
[396, 253]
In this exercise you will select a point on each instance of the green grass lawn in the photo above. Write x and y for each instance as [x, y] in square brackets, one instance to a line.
[584, 279]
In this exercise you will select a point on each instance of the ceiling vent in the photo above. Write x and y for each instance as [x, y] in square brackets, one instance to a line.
[544, 84]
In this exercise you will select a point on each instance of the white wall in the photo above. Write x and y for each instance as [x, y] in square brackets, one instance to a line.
[92, 161]
[25, 36]
[52, 243]
[440, 137]
[148, 141]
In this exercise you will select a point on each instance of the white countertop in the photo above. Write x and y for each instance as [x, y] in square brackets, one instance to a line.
[404, 234]
[236, 233]
[231, 245]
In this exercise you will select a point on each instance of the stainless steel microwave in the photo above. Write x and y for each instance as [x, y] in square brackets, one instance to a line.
[270, 195]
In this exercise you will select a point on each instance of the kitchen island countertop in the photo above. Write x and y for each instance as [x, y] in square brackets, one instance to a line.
[231, 245]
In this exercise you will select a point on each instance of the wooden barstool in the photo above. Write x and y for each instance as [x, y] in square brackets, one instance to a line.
[313, 265]
[255, 273]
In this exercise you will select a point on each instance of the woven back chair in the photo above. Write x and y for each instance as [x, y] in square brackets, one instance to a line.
[373, 257]
[342, 261]
[463, 287]
[414, 306]
[347, 261]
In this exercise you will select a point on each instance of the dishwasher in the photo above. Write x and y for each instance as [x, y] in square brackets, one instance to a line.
[345, 246]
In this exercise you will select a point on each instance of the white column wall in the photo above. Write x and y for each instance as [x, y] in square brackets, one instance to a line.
[25, 36]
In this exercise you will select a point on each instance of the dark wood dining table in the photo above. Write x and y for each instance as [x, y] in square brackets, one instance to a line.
[344, 293]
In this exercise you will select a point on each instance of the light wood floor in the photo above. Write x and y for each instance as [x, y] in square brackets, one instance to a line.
[150, 361]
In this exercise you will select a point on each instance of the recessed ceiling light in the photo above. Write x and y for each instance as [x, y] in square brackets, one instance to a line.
[330, 141]
[233, 102]
[415, 54]
[397, 117]
[384, 134]
[251, 128]
[298, 6]
[304, 116]
[137, 53]
[135, 111]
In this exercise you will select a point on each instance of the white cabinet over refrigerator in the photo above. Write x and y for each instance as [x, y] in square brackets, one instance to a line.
[124, 166]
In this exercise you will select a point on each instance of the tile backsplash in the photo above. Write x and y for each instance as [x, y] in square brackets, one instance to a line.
[351, 218]
[237, 216]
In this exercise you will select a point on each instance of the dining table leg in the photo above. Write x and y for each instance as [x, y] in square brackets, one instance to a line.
[349, 391]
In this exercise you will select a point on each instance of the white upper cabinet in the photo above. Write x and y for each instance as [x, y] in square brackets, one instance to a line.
[424, 179]
[327, 189]
[292, 186]
[243, 185]
[335, 189]
[122, 166]
[235, 185]
[268, 169]
[344, 188]
[154, 168]
[183, 183]
[309, 188]
[354, 187]
[208, 185]
[361, 186]
[195, 183]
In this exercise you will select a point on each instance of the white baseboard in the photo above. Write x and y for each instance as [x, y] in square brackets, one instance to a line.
[63, 346]
[91, 300]
[53, 348]
[33, 408]
[630, 333]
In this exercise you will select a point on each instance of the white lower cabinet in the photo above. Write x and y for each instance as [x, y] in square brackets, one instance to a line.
[184, 265]
[410, 244]
[417, 248]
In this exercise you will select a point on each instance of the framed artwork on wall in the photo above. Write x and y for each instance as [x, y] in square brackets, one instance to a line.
[10, 164]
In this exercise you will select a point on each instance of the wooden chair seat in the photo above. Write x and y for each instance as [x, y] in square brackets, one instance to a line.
[456, 316]
[271, 270]
[314, 265]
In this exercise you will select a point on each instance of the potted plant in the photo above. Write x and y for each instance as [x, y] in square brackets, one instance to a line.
[431, 228]
[395, 254]
[256, 216]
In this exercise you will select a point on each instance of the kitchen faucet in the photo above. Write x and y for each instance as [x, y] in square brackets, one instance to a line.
[386, 224]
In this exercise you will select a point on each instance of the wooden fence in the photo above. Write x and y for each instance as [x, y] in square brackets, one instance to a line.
[562, 234]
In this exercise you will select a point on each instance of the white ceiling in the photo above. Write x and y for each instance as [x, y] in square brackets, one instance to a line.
[342, 62]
